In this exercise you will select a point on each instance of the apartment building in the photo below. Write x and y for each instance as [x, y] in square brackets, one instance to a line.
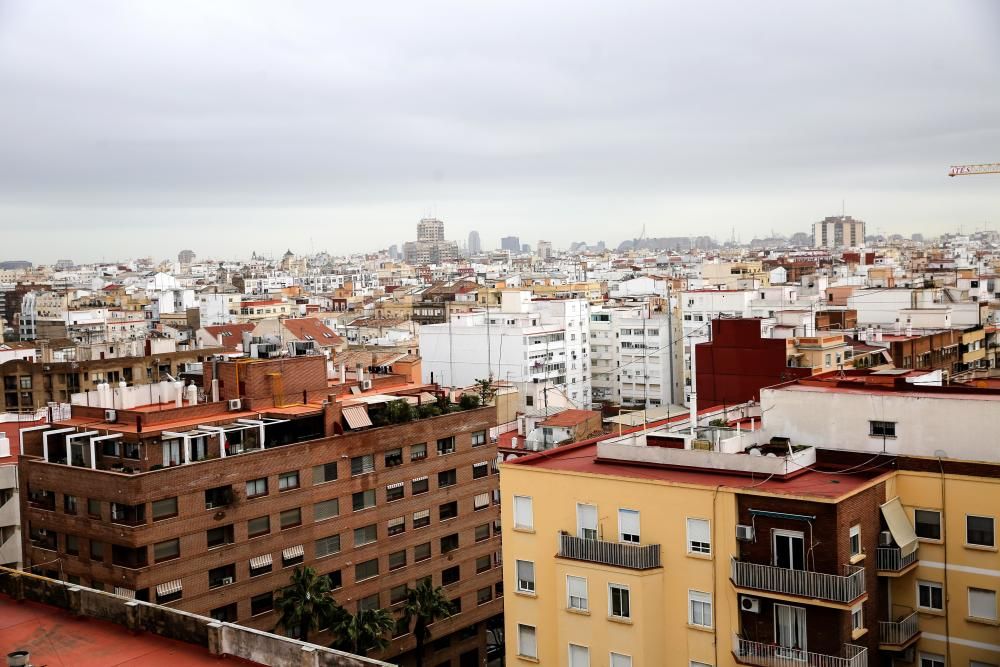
[208, 507]
[838, 232]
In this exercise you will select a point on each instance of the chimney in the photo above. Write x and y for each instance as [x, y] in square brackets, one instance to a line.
[331, 416]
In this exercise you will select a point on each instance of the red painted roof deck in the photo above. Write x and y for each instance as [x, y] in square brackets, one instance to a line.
[57, 637]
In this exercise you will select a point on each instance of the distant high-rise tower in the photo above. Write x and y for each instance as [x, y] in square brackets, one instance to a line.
[186, 256]
[511, 243]
[430, 230]
[838, 231]
[475, 245]
[545, 249]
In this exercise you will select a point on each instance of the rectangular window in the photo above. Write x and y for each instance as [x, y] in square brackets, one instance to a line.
[855, 539]
[397, 559]
[931, 660]
[447, 478]
[288, 480]
[394, 457]
[927, 524]
[479, 438]
[524, 517]
[481, 501]
[94, 508]
[586, 521]
[291, 518]
[164, 508]
[979, 531]
[366, 570]
[421, 552]
[881, 429]
[858, 617]
[983, 604]
[450, 575]
[449, 543]
[576, 593]
[261, 604]
[482, 532]
[448, 510]
[96, 550]
[483, 563]
[446, 445]
[527, 646]
[484, 595]
[418, 452]
[419, 485]
[579, 656]
[166, 550]
[72, 545]
[398, 594]
[257, 487]
[619, 601]
[525, 576]
[326, 509]
[700, 608]
[363, 464]
[259, 526]
[929, 595]
[365, 535]
[362, 500]
[699, 534]
[480, 470]
[622, 660]
[628, 526]
[394, 492]
[326, 546]
[69, 505]
[325, 472]
[396, 526]
[421, 519]
[219, 536]
[222, 576]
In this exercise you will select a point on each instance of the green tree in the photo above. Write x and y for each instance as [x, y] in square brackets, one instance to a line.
[484, 387]
[468, 401]
[398, 412]
[424, 605]
[306, 605]
[363, 631]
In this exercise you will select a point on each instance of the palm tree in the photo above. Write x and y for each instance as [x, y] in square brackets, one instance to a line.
[306, 605]
[424, 605]
[363, 631]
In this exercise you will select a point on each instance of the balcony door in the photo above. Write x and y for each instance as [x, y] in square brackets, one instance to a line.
[788, 548]
[586, 521]
[790, 631]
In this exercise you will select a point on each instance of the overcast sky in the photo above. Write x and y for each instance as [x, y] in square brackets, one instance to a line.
[141, 128]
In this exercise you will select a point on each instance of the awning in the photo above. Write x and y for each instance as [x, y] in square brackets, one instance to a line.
[125, 593]
[899, 526]
[782, 515]
[168, 588]
[394, 486]
[258, 562]
[357, 416]
[292, 553]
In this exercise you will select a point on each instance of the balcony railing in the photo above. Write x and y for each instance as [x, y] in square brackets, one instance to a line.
[771, 655]
[897, 633]
[632, 556]
[891, 559]
[815, 585]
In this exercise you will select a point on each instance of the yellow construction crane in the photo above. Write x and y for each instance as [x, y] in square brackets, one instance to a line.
[971, 169]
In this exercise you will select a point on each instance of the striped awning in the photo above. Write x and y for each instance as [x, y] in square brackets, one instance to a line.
[357, 416]
[394, 486]
[125, 592]
[258, 562]
[168, 588]
[290, 553]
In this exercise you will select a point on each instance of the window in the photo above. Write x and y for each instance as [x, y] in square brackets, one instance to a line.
[363, 500]
[855, 537]
[879, 429]
[700, 608]
[94, 508]
[257, 487]
[480, 502]
[261, 604]
[858, 617]
[446, 445]
[326, 546]
[398, 594]
[394, 492]
[931, 660]
[622, 660]
[699, 535]
[449, 543]
[325, 472]
[288, 480]
[326, 509]
[164, 508]
[365, 535]
[394, 457]
[619, 601]
[576, 593]
[72, 545]
[421, 552]
[448, 510]
[586, 521]
[69, 505]
[366, 570]
[166, 550]
[484, 595]
[929, 595]
[450, 575]
[983, 604]
[525, 576]
[396, 526]
[579, 656]
[527, 647]
[927, 524]
[397, 559]
[483, 563]
[96, 550]
[447, 478]
[979, 531]
[524, 518]
[291, 518]
[628, 526]
[479, 438]
[368, 602]
[221, 576]
[482, 532]
[259, 526]
[418, 452]
[480, 470]
[363, 464]
[219, 536]
[419, 485]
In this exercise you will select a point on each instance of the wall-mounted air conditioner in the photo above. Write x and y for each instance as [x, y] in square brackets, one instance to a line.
[110, 415]
[749, 604]
[744, 533]
[235, 404]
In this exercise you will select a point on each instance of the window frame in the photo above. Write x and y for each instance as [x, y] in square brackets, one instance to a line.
[993, 532]
[872, 428]
[626, 538]
[527, 590]
[582, 602]
[624, 601]
[701, 598]
[698, 547]
[534, 640]
[854, 535]
[531, 513]
[931, 586]
[975, 589]
[917, 523]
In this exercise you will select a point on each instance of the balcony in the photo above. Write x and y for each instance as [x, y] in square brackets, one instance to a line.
[616, 554]
[900, 634]
[891, 562]
[842, 590]
[747, 652]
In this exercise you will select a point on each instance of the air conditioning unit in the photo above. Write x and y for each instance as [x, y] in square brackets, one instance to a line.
[744, 533]
[226, 581]
[366, 385]
[235, 404]
[885, 539]
[749, 604]
[110, 415]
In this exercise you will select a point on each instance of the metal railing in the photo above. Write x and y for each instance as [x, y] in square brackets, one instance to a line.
[816, 585]
[891, 559]
[771, 655]
[632, 556]
[897, 633]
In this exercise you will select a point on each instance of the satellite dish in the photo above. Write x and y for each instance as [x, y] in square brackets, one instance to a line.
[940, 453]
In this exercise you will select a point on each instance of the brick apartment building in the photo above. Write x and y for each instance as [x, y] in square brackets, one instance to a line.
[209, 507]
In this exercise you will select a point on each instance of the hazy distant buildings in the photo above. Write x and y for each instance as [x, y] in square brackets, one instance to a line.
[430, 230]
[838, 231]
[186, 256]
[430, 246]
[475, 244]
[545, 249]
[511, 243]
